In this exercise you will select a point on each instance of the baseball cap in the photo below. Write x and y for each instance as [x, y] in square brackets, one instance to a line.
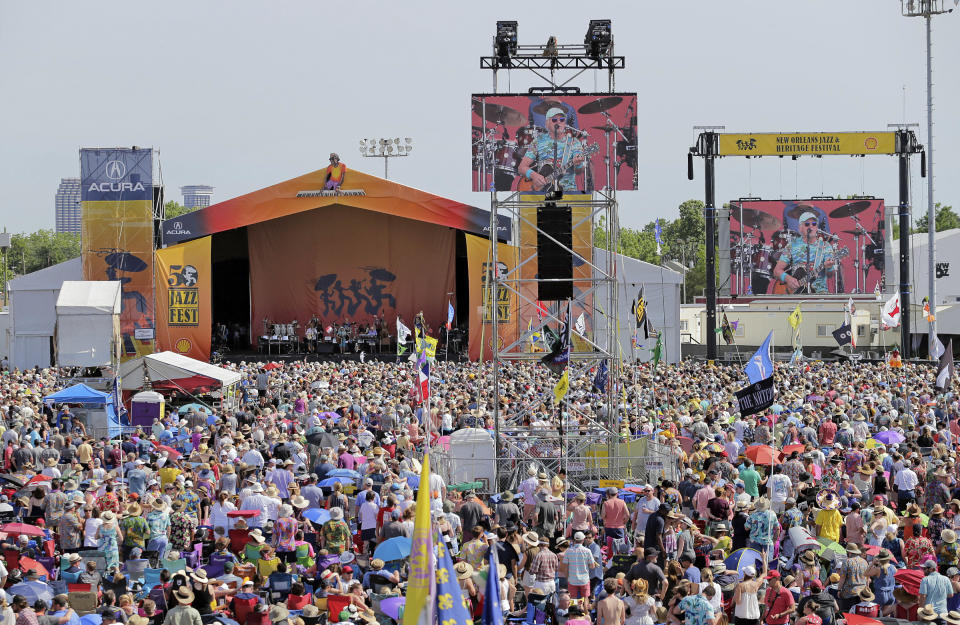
[556, 110]
[773, 575]
[578, 537]
[650, 551]
[929, 564]
[953, 571]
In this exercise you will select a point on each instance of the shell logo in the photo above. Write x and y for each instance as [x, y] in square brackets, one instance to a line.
[183, 345]
[871, 143]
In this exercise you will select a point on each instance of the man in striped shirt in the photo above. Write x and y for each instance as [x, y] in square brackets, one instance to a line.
[579, 561]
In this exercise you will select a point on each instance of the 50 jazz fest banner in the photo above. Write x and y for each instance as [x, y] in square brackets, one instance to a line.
[482, 298]
[184, 317]
[116, 195]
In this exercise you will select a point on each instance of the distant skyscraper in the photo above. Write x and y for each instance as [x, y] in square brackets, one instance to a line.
[196, 195]
[67, 215]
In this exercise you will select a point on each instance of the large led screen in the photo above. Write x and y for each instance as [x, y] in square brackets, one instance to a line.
[786, 247]
[535, 142]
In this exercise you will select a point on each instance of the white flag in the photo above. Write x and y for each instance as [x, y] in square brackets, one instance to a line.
[890, 315]
[581, 325]
[403, 332]
[938, 348]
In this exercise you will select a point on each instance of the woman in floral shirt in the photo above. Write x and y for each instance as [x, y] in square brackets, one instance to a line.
[949, 552]
[70, 528]
[335, 533]
[918, 549]
[182, 526]
[284, 534]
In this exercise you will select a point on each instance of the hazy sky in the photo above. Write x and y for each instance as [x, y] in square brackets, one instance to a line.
[243, 94]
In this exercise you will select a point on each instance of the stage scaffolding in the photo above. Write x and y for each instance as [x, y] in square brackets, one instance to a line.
[564, 448]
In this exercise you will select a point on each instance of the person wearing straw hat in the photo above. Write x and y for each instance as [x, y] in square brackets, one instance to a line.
[928, 614]
[109, 536]
[882, 572]
[183, 613]
[866, 606]
[136, 530]
[853, 577]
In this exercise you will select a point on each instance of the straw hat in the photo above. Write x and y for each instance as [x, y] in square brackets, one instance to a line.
[531, 538]
[948, 536]
[200, 576]
[336, 513]
[257, 536]
[108, 516]
[299, 501]
[278, 612]
[808, 557]
[936, 509]
[51, 462]
[883, 556]
[134, 509]
[866, 594]
[183, 595]
[952, 617]
[463, 570]
[927, 613]
[852, 548]
[828, 499]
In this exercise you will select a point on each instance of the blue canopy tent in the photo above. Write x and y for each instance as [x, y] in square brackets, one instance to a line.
[85, 396]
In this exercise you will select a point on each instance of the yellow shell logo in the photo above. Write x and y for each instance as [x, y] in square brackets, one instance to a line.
[183, 345]
[871, 143]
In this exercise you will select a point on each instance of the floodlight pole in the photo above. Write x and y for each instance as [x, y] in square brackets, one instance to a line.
[903, 210]
[707, 146]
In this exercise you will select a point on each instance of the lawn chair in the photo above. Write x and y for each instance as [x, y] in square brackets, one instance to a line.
[239, 540]
[135, 568]
[174, 565]
[151, 579]
[278, 586]
[158, 596]
[242, 608]
[50, 564]
[335, 605]
[193, 557]
[72, 588]
[84, 602]
[12, 556]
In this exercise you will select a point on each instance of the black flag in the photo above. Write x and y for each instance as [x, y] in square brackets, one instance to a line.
[755, 397]
[640, 313]
[945, 370]
[556, 361]
[842, 334]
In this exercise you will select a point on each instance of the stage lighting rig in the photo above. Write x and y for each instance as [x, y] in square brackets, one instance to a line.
[598, 38]
[386, 149]
[506, 42]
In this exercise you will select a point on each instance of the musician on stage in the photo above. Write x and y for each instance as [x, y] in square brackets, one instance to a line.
[556, 148]
[809, 252]
[311, 336]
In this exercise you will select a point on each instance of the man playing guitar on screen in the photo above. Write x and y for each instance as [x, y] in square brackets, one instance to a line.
[808, 259]
[556, 148]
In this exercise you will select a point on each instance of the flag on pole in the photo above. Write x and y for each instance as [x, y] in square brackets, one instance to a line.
[938, 347]
[559, 354]
[581, 325]
[640, 314]
[449, 315]
[421, 585]
[890, 315]
[842, 334]
[542, 311]
[876, 291]
[726, 330]
[658, 350]
[423, 376]
[760, 365]
[945, 372]
[561, 387]
[795, 318]
[452, 607]
[603, 375]
[492, 610]
[403, 335]
[849, 311]
[658, 235]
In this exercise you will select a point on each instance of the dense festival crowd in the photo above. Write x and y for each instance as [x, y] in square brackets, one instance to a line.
[839, 503]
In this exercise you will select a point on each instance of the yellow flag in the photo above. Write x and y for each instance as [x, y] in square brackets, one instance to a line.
[563, 385]
[421, 586]
[796, 317]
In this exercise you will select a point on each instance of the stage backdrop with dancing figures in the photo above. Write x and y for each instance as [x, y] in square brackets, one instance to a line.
[349, 265]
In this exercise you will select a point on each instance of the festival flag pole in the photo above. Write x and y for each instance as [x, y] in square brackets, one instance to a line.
[422, 583]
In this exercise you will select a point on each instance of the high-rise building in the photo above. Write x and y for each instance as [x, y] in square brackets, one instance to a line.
[196, 195]
[67, 215]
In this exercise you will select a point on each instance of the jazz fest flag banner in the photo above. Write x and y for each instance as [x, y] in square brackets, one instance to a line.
[421, 586]
[562, 386]
[452, 606]
[184, 300]
[483, 299]
[116, 199]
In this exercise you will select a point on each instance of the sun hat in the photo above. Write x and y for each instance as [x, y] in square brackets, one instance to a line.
[199, 575]
[257, 536]
[347, 557]
[952, 617]
[463, 570]
[336, 513]
[927, 613]
[865, 594]
[278, 613]
[134, 509]
[183, 595]
[531, 538]
[808, 557]
[749, 571]
[299, 501]
[948, 536]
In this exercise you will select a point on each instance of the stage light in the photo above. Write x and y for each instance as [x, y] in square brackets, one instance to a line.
[598, 38]
[408, 140]
[506, 42]
[361, 141]
[387, 148]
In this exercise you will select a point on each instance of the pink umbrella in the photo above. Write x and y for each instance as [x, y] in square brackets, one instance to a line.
[170, 450]
[444, 441]
[17, 529]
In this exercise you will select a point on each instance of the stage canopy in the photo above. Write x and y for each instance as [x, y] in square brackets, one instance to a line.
[170, 371]
[304, 193]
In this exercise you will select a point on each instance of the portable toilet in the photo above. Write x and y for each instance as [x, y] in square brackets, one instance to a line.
[146, 407]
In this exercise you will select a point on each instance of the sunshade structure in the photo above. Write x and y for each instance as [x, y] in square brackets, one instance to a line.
[391, 549]
[763, 454]
[83, 395]
[889, 437]
[171, 371]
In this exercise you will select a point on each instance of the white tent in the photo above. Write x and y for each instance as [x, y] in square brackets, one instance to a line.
[33, 304]
[172, 371]
[88, 323]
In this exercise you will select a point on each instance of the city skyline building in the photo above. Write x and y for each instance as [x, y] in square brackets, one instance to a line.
[196, 195]
[67, 206]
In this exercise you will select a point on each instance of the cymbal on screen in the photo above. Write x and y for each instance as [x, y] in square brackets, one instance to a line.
[753, 218]
[849, 209]
[499, 113]
[546, 105]
[599, 105]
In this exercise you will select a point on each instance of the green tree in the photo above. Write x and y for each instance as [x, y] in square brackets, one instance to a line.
[38, 250]
[174, 209]
[946, 219]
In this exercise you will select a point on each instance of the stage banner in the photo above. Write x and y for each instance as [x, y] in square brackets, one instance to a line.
[756, 397]
[353, 266]
[116, 196]
[806, 143]
[184, 318]
[806, 247]
[523, 142]
[582, 245]
[482, 299]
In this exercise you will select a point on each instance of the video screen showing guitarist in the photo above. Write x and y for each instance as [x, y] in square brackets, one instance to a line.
[555, 156]
[809, 260]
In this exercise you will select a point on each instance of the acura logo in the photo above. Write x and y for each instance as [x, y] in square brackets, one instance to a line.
[177, 225]
[115, 170]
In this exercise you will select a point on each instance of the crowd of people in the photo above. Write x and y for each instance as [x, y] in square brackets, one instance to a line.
[840, 502]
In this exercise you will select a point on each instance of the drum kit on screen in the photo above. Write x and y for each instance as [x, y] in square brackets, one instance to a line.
[753, 257]
[494, 151]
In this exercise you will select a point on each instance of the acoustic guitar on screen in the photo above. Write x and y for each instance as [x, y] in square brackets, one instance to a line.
[804, 277]
[551, 174]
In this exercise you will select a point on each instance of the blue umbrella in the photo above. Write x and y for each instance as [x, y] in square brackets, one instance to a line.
[196, 407]
[330, 481]
[317, 515]
[889, 437]
[39, 590]
[91, 619]
[413, 481]
[396, 548]
[742, 558]
[344, 473]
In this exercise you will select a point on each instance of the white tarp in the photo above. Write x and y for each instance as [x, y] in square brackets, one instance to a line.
[88, 323]
[172, 366]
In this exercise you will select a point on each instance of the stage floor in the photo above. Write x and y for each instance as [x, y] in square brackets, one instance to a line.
[255, 356]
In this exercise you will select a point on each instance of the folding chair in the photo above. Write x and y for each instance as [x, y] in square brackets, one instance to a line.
[174, 565]
[279, 585]
[84, 602]
[70, 578]
[335, 605]
[72, 588]
[12, 556]
[251, 552]
[50, 564]
[193, 557]
[242, 608]
[238, 540]
[151, 578]
[135, 568]
[213, 569]
[158, 596]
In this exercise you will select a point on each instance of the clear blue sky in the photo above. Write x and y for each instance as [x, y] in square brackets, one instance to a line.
[243, 94]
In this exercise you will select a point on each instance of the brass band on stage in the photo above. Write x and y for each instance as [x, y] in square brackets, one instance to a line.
[343, 337]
